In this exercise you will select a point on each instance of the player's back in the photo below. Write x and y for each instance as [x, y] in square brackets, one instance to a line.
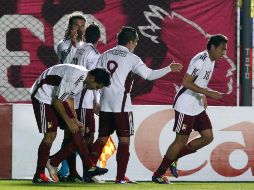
[86, 56]
[46, 85]
[120, 62]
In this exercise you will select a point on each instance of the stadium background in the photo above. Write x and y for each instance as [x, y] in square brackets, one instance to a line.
[168, 30]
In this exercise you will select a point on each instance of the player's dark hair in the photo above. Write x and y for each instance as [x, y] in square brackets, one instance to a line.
[72, 17]
[126, 35]
[92, 33]
[216, 40]
[102, 76]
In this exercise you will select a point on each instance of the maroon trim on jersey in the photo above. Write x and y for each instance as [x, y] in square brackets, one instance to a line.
[53, 80]
[127, 86]
[178, 94]
[82, 97]
[181, 92]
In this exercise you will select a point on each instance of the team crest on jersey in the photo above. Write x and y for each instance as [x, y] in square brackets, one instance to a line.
[184, 127]
[49, 125]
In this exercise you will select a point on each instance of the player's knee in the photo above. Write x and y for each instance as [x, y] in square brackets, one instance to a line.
[181, 139]
[49, 138]
[208, 139]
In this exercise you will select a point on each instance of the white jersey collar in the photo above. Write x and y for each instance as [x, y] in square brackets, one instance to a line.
[123, 48]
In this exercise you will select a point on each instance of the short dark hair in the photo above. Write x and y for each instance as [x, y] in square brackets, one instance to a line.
[92, 33]
[72, 17]
[126, 35]
[102, 76]
[216, 40]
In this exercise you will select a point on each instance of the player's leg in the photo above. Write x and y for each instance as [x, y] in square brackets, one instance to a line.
[203, 125]
[124, 129]
[170, 157]
[64, 170]
[43, 155]
[182, 127]
[71, 160]
[78, 145]
[90, 124]
[47, 124]
[105, 129]
[86, 116]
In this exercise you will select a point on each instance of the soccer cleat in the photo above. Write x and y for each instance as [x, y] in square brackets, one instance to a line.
[125, 180]
[52, 171]
[41, 178]
[74, 179]
[92, 180]
[95, 171]
[173, 169]
[62, 179]
[160, 180]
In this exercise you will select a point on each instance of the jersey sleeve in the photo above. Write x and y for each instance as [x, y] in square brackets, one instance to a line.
[194, 67]
[92, 61]
[64, 90]
[141, 69]
[99, 63]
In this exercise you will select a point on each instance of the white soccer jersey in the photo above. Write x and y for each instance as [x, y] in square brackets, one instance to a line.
[66, 51]
[121, 64]
[60, 81]
[188, 101]
[86, 56]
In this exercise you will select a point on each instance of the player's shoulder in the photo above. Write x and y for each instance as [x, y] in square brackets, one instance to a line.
[91, 49]
[64, 43]
[200, 58]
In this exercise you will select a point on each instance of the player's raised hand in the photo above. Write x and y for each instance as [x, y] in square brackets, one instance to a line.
[74, 36]
[176, 67]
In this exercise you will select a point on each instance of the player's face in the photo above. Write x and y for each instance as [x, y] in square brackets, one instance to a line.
[94, 86]
[79, 26]
[91, 84]
[219, 51]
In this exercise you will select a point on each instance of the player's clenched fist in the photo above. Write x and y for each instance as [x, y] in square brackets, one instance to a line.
[176, 67]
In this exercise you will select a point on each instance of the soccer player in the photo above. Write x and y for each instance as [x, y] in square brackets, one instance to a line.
[115, 103]
[52, 98]
[66, 50]
[73, 38]
[190, 104]
[87, 103]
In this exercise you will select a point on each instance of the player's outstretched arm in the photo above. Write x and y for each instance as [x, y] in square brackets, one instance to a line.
[156, 74]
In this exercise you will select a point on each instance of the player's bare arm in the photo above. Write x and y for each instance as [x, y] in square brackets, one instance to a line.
[204, 100]
[188, 82]
[71, 104]
[78, 123]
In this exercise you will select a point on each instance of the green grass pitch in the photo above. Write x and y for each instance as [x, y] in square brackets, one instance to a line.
[28, 185]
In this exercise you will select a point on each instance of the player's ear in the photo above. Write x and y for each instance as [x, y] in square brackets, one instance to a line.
[91, 78]
[213, 47]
